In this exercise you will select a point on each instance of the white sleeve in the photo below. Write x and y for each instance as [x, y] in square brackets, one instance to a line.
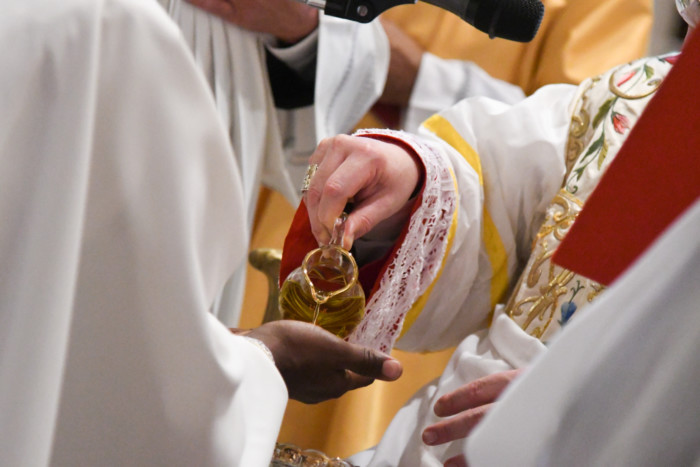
[441, 83]
[300, 57]
[506, 164]
[122, 212]
[232, 61]
[351, 68]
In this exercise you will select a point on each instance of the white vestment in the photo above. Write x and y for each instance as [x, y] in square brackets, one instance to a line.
[122, 214]
[503, 184]
[440, 83]
[620, 385]
[273, 148]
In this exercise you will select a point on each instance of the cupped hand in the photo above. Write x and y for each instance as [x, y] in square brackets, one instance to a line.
[466, 406]
[316, 365]
[287, 20]
[379, 178]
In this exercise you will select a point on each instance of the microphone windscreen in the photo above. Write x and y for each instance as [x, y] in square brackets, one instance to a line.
[516, 20]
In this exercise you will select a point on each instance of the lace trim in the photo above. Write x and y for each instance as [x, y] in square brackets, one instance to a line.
[418, 259]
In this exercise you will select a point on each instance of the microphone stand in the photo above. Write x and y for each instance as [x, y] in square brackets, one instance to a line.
[516, 20]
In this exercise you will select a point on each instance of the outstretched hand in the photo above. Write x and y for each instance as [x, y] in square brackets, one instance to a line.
[316, 365]
[377, 176]
[288, 20]
[466, 406]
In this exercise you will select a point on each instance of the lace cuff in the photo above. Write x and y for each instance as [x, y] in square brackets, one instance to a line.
[415, 263]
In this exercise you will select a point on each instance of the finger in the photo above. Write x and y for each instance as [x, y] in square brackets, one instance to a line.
[368, 213]
[457, 427]
[456, 461]
[370, 363]
[328, 156]
[478, 392]
[313, 192]
[333, 386]
[342, 186]
[343, 173]
[355, 381]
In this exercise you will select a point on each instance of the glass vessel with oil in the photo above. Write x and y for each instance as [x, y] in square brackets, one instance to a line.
[324, 290]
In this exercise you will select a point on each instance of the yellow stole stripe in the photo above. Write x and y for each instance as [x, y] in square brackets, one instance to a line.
[496, 252]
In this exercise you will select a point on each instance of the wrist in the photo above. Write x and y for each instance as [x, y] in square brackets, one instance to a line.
[306, 23]
[260, 345]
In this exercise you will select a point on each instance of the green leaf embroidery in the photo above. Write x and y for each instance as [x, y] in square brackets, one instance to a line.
[595, 146]
[603, 154]
[604, 109]
[648, 71]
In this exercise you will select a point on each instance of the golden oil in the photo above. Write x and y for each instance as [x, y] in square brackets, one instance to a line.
[338, 314]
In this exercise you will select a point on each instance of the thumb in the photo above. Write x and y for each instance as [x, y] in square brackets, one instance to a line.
[373, 364]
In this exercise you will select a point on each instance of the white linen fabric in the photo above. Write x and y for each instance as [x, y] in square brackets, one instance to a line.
[352, 61]
[122, 211]
[272, 147]
[630, 399]
[441, 83]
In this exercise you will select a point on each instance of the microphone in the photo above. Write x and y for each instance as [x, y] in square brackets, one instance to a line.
[515, 20]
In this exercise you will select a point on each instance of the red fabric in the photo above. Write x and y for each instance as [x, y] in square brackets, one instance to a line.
[389, 115]
[297, 243]
[653, 179]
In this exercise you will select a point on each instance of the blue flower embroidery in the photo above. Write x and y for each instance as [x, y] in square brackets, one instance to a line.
[567, 310]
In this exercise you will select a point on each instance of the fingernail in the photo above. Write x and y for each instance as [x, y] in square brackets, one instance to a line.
[438, 409]
[391, 369]
[429, 437]
[455, 462]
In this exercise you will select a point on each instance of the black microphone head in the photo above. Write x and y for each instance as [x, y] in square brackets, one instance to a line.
[515, 20]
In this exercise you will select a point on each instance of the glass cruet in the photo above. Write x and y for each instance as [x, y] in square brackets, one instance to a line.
[325, 290]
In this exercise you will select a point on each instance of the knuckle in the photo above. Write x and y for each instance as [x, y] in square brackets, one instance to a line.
[324, 144]
[343, 140]
[446, 405]
[475, 390]
[443, 431]
[372, 363]
[333, 188]
[313, 195]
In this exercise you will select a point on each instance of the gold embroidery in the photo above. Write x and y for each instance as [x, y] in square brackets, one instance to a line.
[615, 89]
[561, 219]
[536, 270]
[580, 123]
[549, 295]
[562, 213]
[597, 290]
[540, 305]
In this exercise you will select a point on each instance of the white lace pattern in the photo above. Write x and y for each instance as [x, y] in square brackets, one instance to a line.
[418, 260]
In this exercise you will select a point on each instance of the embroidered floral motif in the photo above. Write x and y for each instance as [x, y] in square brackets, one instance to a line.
[569, 308]
[547, 296]
[620, 123]
[630, 82]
